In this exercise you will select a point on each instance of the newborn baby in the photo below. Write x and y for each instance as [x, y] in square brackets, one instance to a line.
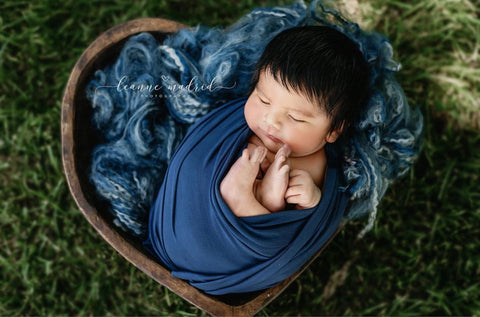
[309, 86]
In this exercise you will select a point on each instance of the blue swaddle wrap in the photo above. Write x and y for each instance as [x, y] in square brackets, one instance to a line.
[142, 128]
[194, 233]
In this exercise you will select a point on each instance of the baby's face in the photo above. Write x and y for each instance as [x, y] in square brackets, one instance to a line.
[279, 116]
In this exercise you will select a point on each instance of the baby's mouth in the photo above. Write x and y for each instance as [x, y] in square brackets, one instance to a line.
[274, 139]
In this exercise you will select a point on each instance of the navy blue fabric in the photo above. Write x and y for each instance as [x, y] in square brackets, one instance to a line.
[194, 233]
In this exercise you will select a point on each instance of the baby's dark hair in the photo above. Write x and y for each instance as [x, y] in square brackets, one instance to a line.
[322, 64]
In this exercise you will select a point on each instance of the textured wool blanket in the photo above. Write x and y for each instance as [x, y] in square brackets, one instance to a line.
[194, 233]
[140, 130]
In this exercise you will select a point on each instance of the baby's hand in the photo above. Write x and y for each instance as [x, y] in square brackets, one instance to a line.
[302, 191]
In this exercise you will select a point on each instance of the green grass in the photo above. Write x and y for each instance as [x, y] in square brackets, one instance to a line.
[421, 258]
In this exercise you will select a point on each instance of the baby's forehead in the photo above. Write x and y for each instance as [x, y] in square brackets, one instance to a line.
[270, 88]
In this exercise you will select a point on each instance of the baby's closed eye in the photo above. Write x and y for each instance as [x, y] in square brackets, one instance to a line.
[296, 119]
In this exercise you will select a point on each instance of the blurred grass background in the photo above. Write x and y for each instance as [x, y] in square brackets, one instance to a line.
[421, 258]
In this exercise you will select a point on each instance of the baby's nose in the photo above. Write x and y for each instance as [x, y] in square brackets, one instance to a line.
[272, 121]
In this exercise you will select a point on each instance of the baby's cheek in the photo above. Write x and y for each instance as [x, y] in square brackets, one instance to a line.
[251, 115]
[298, 149]
[293, 144]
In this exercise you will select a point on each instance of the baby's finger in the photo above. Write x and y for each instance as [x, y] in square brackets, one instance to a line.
[293, 199]
[293, 191]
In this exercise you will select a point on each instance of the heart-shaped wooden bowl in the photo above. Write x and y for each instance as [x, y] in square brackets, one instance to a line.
[78, 139]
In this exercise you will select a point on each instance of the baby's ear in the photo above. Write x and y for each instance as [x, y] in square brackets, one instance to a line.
[333, 135]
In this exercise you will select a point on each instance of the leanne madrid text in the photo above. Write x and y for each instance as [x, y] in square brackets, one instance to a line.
[192, 86]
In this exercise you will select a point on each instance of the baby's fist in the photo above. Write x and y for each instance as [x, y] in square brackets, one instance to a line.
[302, 191]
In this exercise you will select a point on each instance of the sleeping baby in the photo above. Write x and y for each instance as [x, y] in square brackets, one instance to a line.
[309, 86]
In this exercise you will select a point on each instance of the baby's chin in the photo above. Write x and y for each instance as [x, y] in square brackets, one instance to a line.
[271, 146]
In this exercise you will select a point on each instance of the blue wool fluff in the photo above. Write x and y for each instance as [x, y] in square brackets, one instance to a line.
[201, 68]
